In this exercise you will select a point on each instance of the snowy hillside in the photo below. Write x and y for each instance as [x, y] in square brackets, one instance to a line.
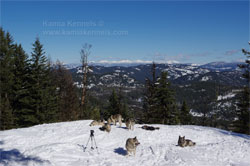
[180, 74]
[61, 144]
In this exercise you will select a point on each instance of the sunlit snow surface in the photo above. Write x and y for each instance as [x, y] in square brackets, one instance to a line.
[61, 144]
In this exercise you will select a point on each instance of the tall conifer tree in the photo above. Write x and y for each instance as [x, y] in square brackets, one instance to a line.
[43, 92]
[185, 116]
[148, 99]
[165, 110]
[114, 107]
[242, 123]
[20, 101]
[68, 104]
[6, 79]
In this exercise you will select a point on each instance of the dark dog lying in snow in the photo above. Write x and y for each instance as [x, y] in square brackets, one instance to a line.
[150, 127]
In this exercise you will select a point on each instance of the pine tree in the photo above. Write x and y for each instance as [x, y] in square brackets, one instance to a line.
[246, 66]
[113, 107]
[117, 105]
[6, 79]
[6, 62]
[42, 91]
[204, 107]
[165, 110]
[243, 113]
[6, 116]
[122, 104]
[68, 105]
[148, 99]
[50, 97]
[242, 123]
[20, 100]
[185, 117]
[125, 111]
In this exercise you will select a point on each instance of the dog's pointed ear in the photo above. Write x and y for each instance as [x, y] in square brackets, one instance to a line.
[135, 138]
[184, 137]
[179, 136]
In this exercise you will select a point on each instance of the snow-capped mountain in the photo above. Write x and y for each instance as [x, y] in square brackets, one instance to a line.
[126, 63]
[134, 76]
[189, 82]
[62, 144]
[71, 65]
[221, 66]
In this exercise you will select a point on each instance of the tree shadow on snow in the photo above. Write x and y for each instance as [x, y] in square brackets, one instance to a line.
[120, 151]
[1, 142]
[14, 155]
[235, 134]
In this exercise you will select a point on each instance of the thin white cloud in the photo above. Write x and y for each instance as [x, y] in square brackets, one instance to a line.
[231, 52]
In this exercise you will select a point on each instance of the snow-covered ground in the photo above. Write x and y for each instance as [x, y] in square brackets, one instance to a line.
[61, 144]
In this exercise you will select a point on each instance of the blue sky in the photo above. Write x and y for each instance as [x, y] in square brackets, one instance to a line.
[184, 31]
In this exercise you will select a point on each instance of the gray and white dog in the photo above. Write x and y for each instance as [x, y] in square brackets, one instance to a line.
[130, 123]
[96, 123]
[115, 118]
[185, 142]
[106, 127]
[131, 145]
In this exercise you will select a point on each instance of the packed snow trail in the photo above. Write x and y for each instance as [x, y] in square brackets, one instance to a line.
[62, 144]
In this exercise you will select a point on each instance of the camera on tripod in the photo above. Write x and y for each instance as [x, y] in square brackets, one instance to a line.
[92, 138]
[91, 133]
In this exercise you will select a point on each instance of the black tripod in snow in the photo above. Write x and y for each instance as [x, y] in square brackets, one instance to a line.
[92, 138]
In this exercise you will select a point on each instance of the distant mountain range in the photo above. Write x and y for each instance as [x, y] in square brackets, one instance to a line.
[222, 66]
[189, 81]
[212, 65]
[133, 76]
